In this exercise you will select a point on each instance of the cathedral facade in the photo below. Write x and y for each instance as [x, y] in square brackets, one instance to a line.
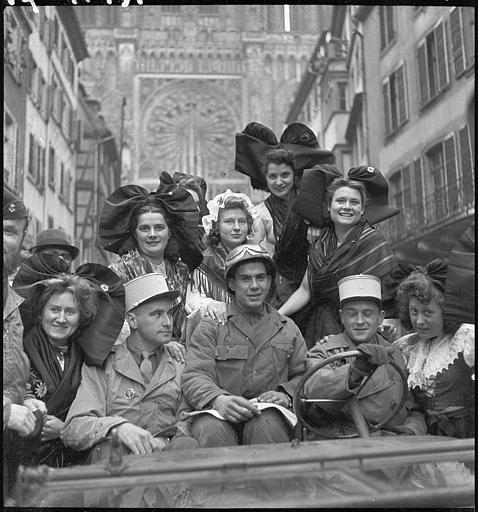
[176, 82]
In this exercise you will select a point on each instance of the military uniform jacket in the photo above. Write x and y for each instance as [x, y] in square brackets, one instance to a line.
[16, 367]
[249, 355]
[118, 394]
[379, 396]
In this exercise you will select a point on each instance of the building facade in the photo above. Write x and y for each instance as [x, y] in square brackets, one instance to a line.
[393, 87]
[16, 76]
[97, 175]
[176, 82]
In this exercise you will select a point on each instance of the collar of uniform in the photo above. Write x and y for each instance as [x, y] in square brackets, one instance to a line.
[136, 353]
[233, 309]
[376, 339]
[13, 301]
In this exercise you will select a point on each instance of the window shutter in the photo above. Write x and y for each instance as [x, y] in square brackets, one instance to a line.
[422, 74]
[466, 159]
[457, 41]
[442, 62]
[401, 95]
[31, 156]
[468, 20]
[383, 40]
[386, 102]
[451, 175]
[389, 18]
[418, 191]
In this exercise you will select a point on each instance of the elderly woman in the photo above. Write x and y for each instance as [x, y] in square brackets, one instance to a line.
[69, 319]
[348, 245]
[440, 357]
[229, 224]
[155, 232]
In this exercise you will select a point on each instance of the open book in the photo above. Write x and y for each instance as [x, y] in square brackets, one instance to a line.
[288, 415]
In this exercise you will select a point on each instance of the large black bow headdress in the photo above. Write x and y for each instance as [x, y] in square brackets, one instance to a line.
[99, 336]
[177, 203]
[436, 270]
[256, 140]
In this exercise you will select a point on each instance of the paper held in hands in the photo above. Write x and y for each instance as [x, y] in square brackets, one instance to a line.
[288, 415]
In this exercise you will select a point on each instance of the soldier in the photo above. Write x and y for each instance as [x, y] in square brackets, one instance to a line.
[361, 314]
[258, 353]
[18, 414]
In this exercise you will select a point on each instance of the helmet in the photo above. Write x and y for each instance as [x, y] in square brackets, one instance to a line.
[247, 252]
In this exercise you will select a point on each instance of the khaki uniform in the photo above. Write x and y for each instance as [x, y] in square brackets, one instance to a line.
[249, 355]
[378, 397]
[117, 394]
[16, 367]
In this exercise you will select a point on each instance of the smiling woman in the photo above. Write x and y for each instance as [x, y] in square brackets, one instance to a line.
[347, 246]
[68, 319]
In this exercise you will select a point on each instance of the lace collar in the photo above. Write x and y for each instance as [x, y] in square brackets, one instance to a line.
[429, 358]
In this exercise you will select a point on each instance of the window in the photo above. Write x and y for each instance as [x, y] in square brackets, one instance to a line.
[33, 86]
[443, 168]
[462, 21]
[51, 168]
[32, 161]
[432, 64]
[10, 135]
[42, 95]
[55, 34]
[342, 95]
[14, 46]
[395, 100]
[42, 24]
[387, 30]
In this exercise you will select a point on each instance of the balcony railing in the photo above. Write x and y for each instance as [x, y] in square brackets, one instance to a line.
[446, 204]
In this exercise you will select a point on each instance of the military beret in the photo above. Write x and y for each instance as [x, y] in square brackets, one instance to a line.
[13, 208]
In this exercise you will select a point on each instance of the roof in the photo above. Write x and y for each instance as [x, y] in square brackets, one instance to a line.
[75, 35]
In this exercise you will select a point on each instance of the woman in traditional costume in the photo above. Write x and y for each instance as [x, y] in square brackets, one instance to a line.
[228, 224]
[347, 245]
[155, 232]
[69, 319]
[277, 167]
[439, 353]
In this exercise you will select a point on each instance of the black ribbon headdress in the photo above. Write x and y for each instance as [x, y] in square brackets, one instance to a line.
[178, 205]
[99, 336]
[256, 140]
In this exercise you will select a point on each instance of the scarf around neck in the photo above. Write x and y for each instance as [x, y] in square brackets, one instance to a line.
[60, 386]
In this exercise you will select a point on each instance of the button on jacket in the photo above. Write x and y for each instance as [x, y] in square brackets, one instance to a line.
[117, 394]
[379, 395]
[249, 355]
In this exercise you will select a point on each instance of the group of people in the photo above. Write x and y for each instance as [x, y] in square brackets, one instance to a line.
[200, 329]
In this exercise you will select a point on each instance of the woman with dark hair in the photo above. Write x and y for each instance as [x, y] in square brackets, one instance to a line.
[68, 319]
[277, 167]
[229, 224]
[348, 245]
[439, 354]
[155, 232]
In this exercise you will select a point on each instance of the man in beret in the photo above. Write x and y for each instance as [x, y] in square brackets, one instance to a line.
[19, 415]
[57, 242]
[258, 354]
[361, 314]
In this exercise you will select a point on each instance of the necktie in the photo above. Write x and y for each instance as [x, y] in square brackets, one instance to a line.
[146, 367]
[60, 355]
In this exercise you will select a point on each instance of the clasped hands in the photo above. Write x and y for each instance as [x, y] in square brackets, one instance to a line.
[237, 409]
[27, 419]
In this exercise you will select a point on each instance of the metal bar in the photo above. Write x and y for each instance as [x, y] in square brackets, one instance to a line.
[358, 418]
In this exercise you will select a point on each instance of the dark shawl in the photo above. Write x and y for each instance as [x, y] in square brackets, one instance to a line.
[61, 386]
[364, 251]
